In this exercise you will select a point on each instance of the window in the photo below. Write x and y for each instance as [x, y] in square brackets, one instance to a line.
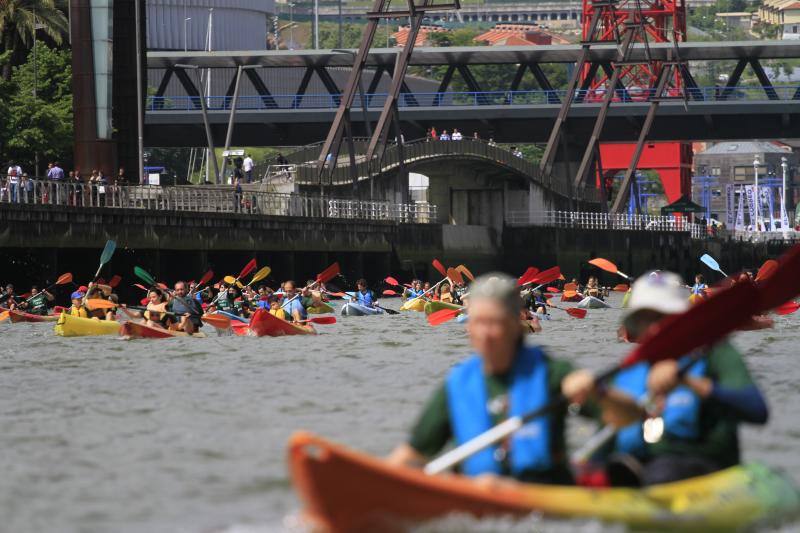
[716, 171]
[794, 29]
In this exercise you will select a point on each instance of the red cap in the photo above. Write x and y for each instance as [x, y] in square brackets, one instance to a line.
[83, 288]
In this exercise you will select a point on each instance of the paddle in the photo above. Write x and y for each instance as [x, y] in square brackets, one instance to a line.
[105, 257]
[261, 274]
[4, 315]
[672, 337]
[526, 276]
[711, 263]
[352, 295]
[788, 308]
[62, 279]
[622, 287]
[608, 266]
[571, 311]
[145, 276]
[767, 269]
[465, 271]
[391, 281]
[205, 279]
[140, 286]
[389, 292]
[249, 267]
[455, 276]
[114, 281]
[217, 321]
[323, 277]
[783, 284]
[320, 320]
[554, 290]
[386, 310]
[98, 303]
[443, 315]
[440, 267]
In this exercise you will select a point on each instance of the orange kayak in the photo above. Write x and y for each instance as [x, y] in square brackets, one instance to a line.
[21, 316]
[264, 324]
[347, 491]
[143, 331]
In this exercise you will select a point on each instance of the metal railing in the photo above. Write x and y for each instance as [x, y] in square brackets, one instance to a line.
[605, 221]
[471, 98]
[210, 199]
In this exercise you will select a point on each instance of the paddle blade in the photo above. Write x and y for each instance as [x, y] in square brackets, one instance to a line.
[767, 269]
[703, 324]
[323, 320]
[391, 281]
[108, 251]
[388, 292]
[575, 312]
[144, 301]
[217, 321]
[261, 274]
[464, 270]
[604, 264]
[710, 262]
[64, 278]
[527, 276]
[114, 281]
[4, 315]
[329, 273]
[554, 290]
[206, 278]
[547, 276]
[163, 286]
[97, 303]
[455, 276]
[140, 286]
[784, 283]
[230, 280]
[622, 287]
[249, 267]
[143, 275]
[569, 294]
[442, 316]
[570, 287]
[788, 308]
[440, 267]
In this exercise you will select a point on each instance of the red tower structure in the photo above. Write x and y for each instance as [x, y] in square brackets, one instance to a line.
[661, 21]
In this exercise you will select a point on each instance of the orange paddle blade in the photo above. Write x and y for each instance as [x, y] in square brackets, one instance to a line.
[4, 315]
[440, 267]
[249, 267]
[570, 287]
[328, 274]
[442, 316]
[464, 270]
[604, 264]
[621, 287]
[97, 303]
[767, 269]
[389, 292]
[569, 294]
[64, 278]
[217, 321]
[455, 275]
[575, 312]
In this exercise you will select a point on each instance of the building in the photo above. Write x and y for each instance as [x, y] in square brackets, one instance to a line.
[784, 13]
[723, 167]
[740, 20]
[401, 35]
[519, 34]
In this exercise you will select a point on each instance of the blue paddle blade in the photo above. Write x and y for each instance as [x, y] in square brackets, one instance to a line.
[108, 251]
[710, 262]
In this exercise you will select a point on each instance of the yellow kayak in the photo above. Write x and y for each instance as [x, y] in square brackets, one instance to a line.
[322, 308]
[414, 304]
[75, 326]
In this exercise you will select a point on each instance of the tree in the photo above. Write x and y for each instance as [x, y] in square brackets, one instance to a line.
[19, 20]
[40, 126]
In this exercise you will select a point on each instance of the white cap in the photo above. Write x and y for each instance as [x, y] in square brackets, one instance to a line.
[659, 291]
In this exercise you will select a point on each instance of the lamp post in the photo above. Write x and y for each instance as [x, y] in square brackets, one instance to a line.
[756, 163]
[139, 91]
[784, 217]
[291, 26]
[186, 34]
[316, 24]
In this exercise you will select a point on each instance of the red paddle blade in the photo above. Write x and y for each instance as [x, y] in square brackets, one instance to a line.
[140, 286]
[554, 290]
[162, 286]
[114, 281]
[206, 278]
[604, 264]
[323, 320]
[442, 316]
[388, 292]
[767, 269]
[454, 275]
[527, 276]
[703, 324]
[249, 267]
[788, 308]
[391, 281]
[622, 287]
[144, 301]
[783, 284]
[577, 313]
[328, 274]
[440, 267]
[547, 276]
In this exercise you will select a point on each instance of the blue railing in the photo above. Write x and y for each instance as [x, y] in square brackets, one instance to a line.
[449, 99]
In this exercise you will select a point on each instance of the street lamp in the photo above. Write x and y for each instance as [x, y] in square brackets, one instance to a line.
[784, 216]
[756, 163]
[291, 26]
[186, 34]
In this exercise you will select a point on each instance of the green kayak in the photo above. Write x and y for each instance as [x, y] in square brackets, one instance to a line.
[433, 306]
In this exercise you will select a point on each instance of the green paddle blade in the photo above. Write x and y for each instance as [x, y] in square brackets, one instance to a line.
[108, 251]
[143, 275]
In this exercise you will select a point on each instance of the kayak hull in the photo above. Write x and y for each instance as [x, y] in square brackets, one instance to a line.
[356, 309]
[414, 304]
[347, 491]
[21, 316]
[143, 331]
[573, 298]
[590, 302]
[321, 309]
[263, 324]
[433, 306]
[75, 326]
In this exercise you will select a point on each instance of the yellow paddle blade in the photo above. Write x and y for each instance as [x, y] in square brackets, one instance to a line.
[261, 274]
[97, 303]
[230, 280]
[239, 284]
[4, 315]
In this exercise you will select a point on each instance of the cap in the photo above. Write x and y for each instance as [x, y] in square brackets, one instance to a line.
[77, 295]
[660, 291]
[83, 288]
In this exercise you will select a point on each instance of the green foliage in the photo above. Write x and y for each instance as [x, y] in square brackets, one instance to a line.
[40, 125]
[19, 20]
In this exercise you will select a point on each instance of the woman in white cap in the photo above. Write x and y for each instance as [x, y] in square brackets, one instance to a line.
[699, 409]
[503, 378]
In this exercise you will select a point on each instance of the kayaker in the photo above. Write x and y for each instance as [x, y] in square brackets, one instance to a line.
[504, 377]
[415, 291]
[77, 308]
[97, 291]
[445, 295]
[699, 288]
[36, 304]
[275, 307]
[226, 299]
[364, 296]
[292, 304]
[593, 288]
[536, 302]
[156, 315]
[9, 300]
[701, 411]
[186, 309]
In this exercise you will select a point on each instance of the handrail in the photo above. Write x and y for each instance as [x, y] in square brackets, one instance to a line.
[605, 221]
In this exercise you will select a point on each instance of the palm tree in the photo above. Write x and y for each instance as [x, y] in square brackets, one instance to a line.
[19, 20]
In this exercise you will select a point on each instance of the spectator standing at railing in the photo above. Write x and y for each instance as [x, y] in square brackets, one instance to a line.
[248, 165]
[26, 189]
[14, 173]
[444, 136]
[457, 135]
[55, 172]
[475, 136]
[491, 142]
[122, 179]
[237, 194]
[434, 135]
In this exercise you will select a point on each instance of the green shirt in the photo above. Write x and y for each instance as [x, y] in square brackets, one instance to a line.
[433, 431]
[718, 438]
[37, 305]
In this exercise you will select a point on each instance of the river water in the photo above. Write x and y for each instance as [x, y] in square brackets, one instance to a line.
[100, 434]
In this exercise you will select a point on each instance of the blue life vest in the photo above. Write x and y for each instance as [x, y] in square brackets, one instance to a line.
[468, 399]
[289, 307]
[681, 411]
[366, 298]
[262, 304]
[699, 288]
[413, 293]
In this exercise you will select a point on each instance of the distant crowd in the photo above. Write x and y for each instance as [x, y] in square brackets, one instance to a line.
[432, 135]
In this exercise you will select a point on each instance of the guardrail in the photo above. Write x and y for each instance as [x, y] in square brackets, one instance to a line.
[467, 98]
[605, 221]
[211, 199]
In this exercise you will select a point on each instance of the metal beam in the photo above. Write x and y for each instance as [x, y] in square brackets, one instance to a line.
[301, 89]
[765, 82]
[261, 88]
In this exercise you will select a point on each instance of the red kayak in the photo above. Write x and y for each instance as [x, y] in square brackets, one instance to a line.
[21, 316]
[262, 323]
[143, 331]
[758, 322]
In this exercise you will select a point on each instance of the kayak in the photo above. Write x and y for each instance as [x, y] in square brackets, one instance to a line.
[264, 324]
[758, 322]
[75, 326]
[626, 298]
[574, 298]
[322, 308]
[356, 309]
[590, 302]
[232, 316]
[143, 331]
[414, 304]
[344, 490]
[22, 316]
[434, 305]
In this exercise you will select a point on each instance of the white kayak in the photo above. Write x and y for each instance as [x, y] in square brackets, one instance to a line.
[590, 302]
[356, 309]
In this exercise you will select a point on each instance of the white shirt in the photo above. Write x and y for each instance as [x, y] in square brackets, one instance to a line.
[457, 136]
[247, 164]
[14, 178]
